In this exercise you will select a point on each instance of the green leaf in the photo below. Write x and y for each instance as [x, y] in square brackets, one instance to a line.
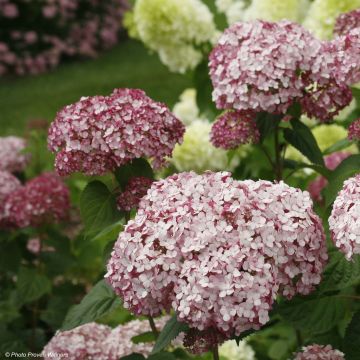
[303, 140]
[162, 356]
[278, 349]
[31, 285]
[267, 123]
[98, 302]
[55, 311]
[352, 337]
[111, 232]
[347, 168]
[144, 338]
[10, 256]
[340, 273]
[292, 164]
[204, 88]
[170, 331]
[138, 167]
[295, 110]
[313, 314]
[98, 208]
[338, 146]
[133, 357]
[243, 335]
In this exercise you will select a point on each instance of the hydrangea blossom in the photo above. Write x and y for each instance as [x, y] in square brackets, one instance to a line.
[232, 351]
[95, 341]
[354, 130]
[198, 154]
[186, 109]
[205, 245]
[44, 199]
[346, 22]
[175, 30]
[322, 15]
[100, 133]
[133, 192]
[12, 156]
[319, 352]
[344, 220]
[255, 65]
[234, 128]
[8, 184]
[331, 162]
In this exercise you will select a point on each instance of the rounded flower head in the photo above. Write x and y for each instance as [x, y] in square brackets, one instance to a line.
[198, 154]
[346, 22]
[133, 192]
[44, 199]
[8, 184]
[234, 128]
[322, 15]
[100, 133]
[256, 65]
[331, 162]
[174, 29]
[345, 218]
[12, 158]
[232, 351]
[95, 341]
[186, 109]
[205, 246]
[354, 130]
[319, 352]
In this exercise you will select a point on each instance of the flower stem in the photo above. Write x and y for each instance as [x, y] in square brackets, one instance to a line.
[215, 352]
[153, 326]
[278, 160]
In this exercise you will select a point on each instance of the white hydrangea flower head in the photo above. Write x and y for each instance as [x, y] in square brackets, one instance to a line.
[322, 15]
[233, 9]
[186, 109]
[232, 351]
[174, 29]
[198, 154]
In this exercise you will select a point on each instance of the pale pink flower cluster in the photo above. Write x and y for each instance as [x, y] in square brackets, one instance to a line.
[8, 184]
[55, 29]
[331, 162]
[42, 200]
[100, 133]
[345, 218]
[12, 156]
[319, 352]
[354, 130]
[100, 342]
[217, 250]
[264, 66]
[133, 192]
[234, 128]
[346, 22]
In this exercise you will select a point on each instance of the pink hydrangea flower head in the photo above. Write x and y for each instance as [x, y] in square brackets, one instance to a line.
[346, 22]
[234, 128]
[257, 65]
[205, 246]
[12, 158]
[81, 343]
[133, 192]
[44, 199]
[319, 352]
[331, 161]
[354, 130]
[345, 218]
[8, 184]
[100, 133]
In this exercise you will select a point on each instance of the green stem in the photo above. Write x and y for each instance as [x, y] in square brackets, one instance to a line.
[153, 327]
[278, 160]
[299, 338]
[215, 352]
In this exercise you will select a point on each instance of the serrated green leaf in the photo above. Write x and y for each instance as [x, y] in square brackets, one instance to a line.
[31, 285]
[340, 273]
[266, 124]
[98, 208]
[303, 140]
[138, 167]
[352, 339]
[97, 303]
[313, 314]
[170, 331]
[347, 168]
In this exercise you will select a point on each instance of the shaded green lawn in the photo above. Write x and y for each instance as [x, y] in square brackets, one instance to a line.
[127, 65]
